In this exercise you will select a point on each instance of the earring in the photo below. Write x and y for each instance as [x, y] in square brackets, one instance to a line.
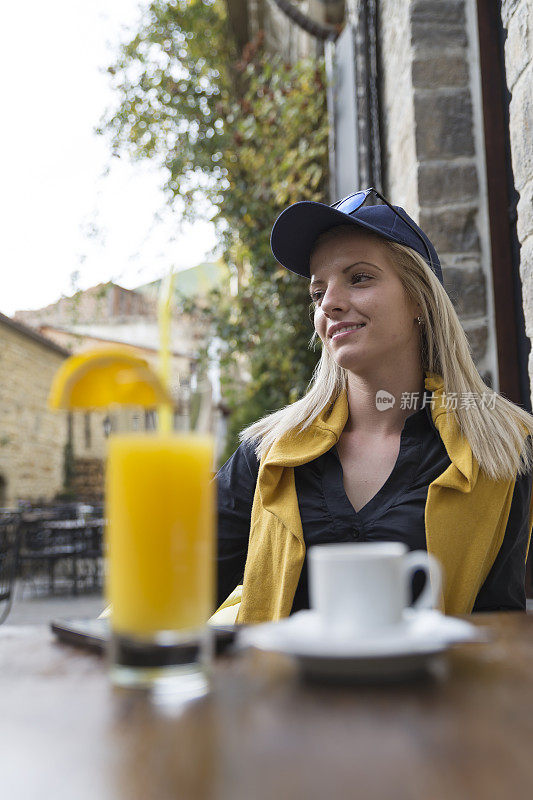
[419, 319]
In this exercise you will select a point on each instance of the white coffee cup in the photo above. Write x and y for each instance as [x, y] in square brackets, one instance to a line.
[362, 588]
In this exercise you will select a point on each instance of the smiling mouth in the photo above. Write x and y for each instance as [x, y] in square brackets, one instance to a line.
[345, 331]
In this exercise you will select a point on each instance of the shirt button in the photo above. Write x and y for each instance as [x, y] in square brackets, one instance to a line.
[355, 534]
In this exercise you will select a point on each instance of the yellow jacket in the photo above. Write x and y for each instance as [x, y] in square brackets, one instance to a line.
[465, 516]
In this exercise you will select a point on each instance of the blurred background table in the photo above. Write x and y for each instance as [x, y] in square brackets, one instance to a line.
[262, 733]
[75, 544]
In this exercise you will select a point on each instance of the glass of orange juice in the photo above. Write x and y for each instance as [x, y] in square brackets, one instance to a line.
[160, 547]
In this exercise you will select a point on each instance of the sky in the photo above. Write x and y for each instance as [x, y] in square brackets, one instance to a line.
[72, 215]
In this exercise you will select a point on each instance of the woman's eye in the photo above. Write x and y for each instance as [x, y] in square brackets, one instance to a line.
[359, 275]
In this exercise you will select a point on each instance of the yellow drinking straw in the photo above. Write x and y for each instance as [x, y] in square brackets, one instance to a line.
[164, 411]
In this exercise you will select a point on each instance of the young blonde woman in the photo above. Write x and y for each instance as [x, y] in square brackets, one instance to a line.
[397, 438]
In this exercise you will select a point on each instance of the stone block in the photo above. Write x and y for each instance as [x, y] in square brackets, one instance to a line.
[452, 230]
[443, 124]
[525, 212]
[399, 155]
[526, 274]
[521, 127]
[440, 70]
[508, 7]
[438, 24]
[446, 183]
[519, 44]
[530, 364]
[477, 338]
[467, 291]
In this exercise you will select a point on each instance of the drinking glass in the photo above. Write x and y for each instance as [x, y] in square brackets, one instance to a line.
[160, 547]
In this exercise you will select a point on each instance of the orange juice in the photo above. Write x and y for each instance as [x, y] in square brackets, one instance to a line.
[160, 531]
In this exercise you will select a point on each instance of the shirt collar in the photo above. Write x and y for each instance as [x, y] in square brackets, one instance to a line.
[418, 423]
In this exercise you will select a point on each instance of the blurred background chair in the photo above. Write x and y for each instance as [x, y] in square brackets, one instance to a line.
[77, 543]
[9, 549]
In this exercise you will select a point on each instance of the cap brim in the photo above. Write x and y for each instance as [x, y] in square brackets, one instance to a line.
[298, 227]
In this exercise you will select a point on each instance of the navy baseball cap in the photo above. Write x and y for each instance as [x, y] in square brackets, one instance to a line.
[298, 227]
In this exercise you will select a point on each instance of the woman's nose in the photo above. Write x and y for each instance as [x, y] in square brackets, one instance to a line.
[335, 298]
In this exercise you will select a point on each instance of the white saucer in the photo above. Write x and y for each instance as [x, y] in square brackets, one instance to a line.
[399, 652]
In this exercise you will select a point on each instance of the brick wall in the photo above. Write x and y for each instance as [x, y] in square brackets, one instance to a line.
[517, 17]
[32, 438]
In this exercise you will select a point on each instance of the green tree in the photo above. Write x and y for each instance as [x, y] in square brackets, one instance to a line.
[248, 132]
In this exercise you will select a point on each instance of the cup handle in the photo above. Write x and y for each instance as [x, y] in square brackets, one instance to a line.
[419, 559]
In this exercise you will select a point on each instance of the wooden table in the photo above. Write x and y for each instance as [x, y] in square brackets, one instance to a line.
[262, 733]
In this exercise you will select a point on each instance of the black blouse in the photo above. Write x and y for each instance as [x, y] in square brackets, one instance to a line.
[395, 513]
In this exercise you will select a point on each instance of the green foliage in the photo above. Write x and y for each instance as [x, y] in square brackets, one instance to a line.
[249, 133]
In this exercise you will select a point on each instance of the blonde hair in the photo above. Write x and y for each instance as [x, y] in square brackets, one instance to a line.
[496, 435]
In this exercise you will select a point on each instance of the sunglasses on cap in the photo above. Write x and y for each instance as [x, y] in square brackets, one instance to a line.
[354, 201]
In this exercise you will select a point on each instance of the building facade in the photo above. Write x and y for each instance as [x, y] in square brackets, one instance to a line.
[442, 99]
[32, 437]
[109, 315]
[433, 150]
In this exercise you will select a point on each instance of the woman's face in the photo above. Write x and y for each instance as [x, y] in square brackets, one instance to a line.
[362, 313]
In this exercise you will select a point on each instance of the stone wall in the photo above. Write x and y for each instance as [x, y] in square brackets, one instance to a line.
[88, 480]
[517, 17]
[32, 438]
[434, 160]
[88, 437]
[398, 123]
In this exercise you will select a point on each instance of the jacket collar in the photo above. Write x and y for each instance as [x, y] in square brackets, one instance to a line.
[463, 472]
[294, 449]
